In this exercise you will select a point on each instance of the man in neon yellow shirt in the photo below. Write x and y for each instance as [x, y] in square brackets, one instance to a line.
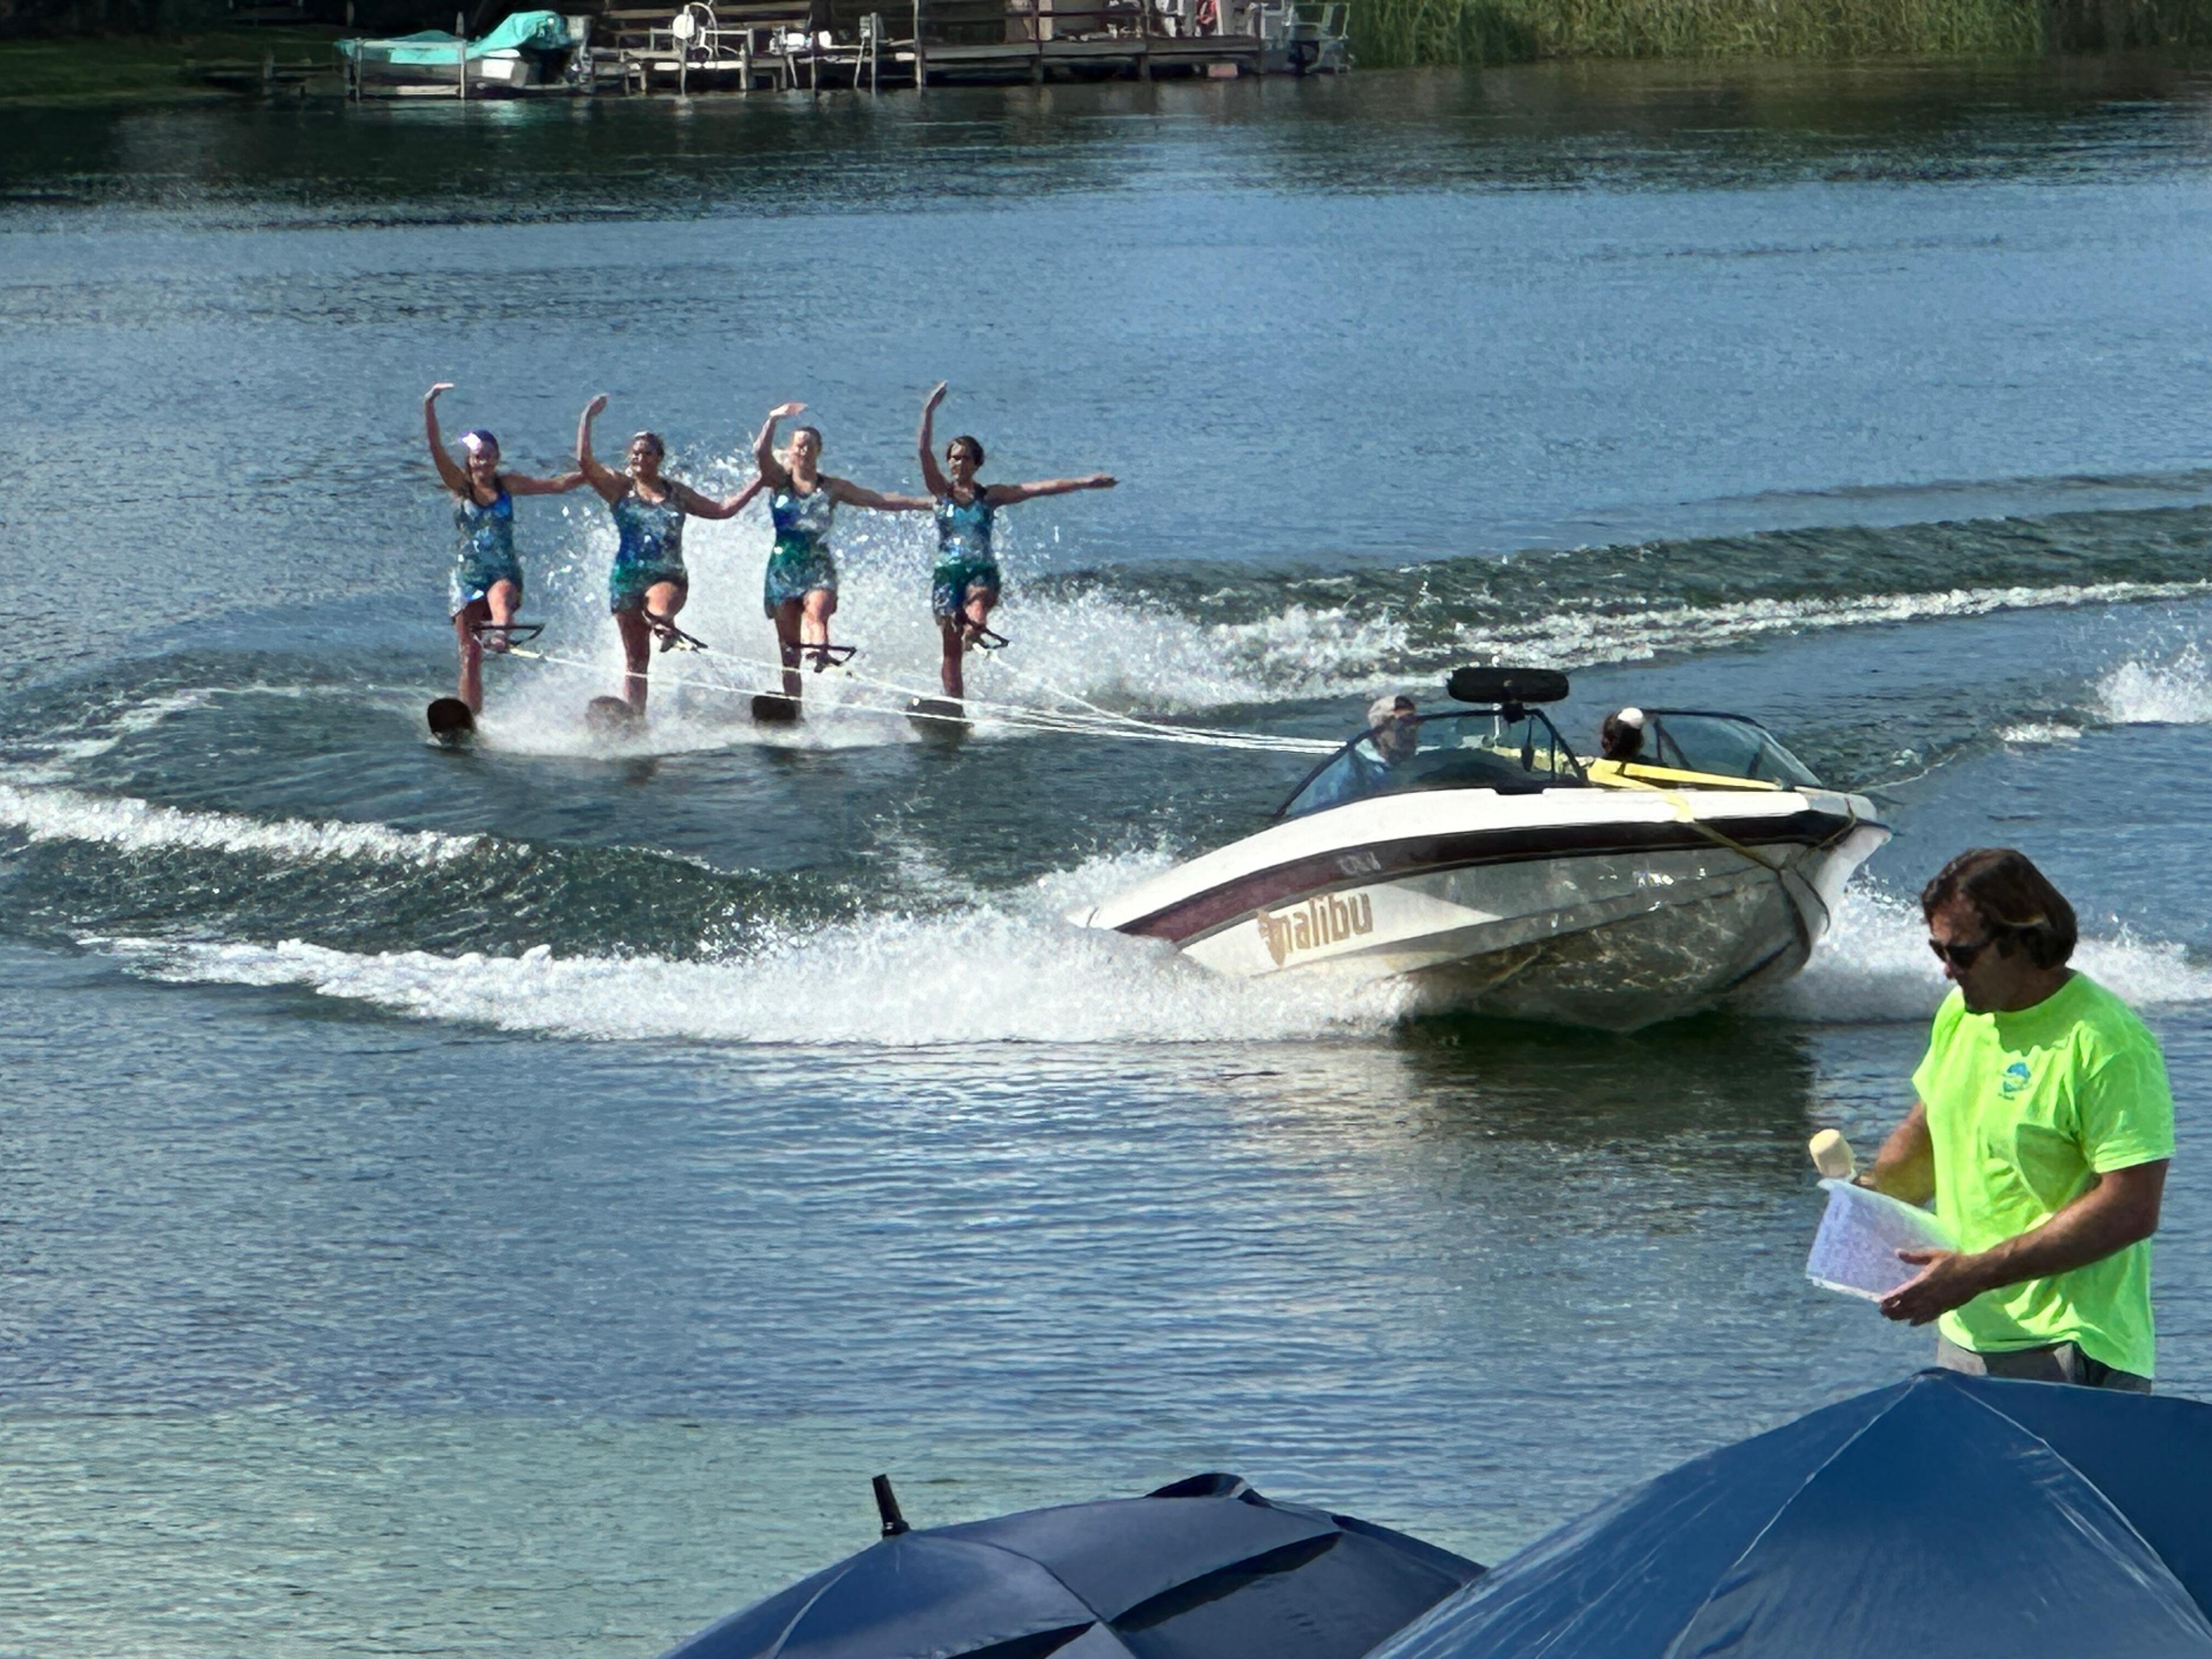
[2043, 1132]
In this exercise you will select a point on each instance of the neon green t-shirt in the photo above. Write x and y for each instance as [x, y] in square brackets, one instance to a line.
[2022, 1108]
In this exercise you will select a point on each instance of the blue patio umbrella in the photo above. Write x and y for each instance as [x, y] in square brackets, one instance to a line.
[1205, 1569]
[1942, 1518]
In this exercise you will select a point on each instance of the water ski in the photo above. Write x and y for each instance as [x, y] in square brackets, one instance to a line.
[609, 717]
[770, 709]
[452, 721]
[938, 717]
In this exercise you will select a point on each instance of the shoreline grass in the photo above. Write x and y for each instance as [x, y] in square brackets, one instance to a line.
[141, 69]
[1399, 33]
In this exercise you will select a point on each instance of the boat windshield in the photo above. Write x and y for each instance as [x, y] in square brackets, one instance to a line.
[1473, 751]
[1720, 746]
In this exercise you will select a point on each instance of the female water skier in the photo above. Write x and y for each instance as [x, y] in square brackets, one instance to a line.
[648, 583]
[965, 583]
[799, 591]
[485, 589]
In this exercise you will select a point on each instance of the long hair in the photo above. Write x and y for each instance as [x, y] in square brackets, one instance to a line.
[2014, 898]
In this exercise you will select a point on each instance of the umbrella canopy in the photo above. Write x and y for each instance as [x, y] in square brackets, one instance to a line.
[1205, 1569]
[1940, 1518]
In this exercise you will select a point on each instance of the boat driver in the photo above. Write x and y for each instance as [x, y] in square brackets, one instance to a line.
[1392, 739]
[1392, 730]
[1620, 739]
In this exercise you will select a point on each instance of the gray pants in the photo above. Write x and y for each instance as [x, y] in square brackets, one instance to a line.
[2061, 1362]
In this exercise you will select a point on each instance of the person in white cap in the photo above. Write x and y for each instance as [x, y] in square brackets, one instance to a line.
[1621, 738]
[1393, 729]
[1393, 737]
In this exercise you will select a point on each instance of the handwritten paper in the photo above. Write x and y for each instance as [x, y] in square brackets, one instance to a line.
[1856, 1250]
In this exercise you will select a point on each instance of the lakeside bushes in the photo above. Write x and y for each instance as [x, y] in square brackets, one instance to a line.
[1387, 32]
[64, 19]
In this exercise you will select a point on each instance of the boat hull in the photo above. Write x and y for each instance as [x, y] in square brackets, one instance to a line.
[1571, 906]
[489, 76]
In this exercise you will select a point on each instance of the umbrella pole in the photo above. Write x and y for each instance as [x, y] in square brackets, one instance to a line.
[887, 1507]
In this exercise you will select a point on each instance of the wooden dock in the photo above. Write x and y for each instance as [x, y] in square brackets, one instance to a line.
[743, 47]
[807, 45]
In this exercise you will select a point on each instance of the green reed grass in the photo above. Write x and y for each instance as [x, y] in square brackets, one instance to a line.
[1406, 32]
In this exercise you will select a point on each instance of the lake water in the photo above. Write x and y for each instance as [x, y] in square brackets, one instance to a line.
[513, 1201]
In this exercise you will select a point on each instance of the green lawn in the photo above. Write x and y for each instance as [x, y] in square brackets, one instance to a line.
[137, 67]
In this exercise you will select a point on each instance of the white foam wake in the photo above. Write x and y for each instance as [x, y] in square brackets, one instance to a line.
[1114, 651]
[1874, 965]
[1572, 639]
[1126, 650]
[1009, 970]
[2036, 734]
[1118, 650]
[123, 821]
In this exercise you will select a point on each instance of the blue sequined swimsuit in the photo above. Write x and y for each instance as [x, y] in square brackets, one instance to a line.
[486, 554]
[800, 564]
[964, 559]
[651, 550]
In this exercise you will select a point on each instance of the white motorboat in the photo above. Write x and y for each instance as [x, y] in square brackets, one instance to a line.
[529, 48]
[1473, 855]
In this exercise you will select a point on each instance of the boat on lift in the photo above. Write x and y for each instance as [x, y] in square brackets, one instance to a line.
[1473, 855]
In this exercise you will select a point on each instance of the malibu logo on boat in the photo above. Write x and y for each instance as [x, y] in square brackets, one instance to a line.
[1318, 921]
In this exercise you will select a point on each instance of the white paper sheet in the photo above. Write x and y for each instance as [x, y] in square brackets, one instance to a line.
[1856, 1250]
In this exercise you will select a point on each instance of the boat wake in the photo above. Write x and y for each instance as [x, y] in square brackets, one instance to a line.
[1180, 638]
[1006, 969]
[1875, 968]
[51, 814]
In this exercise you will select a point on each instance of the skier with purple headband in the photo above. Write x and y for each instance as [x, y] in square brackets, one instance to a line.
[485, 589]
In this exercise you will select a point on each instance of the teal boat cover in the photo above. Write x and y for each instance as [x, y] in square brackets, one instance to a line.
[543, 31]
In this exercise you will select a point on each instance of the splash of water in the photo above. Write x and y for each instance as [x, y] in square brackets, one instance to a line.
[1005, 970]
[1875, 966]
[1160, 643]
[2174, 692]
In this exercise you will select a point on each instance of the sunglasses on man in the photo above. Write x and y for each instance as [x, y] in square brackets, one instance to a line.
[1961, 956]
